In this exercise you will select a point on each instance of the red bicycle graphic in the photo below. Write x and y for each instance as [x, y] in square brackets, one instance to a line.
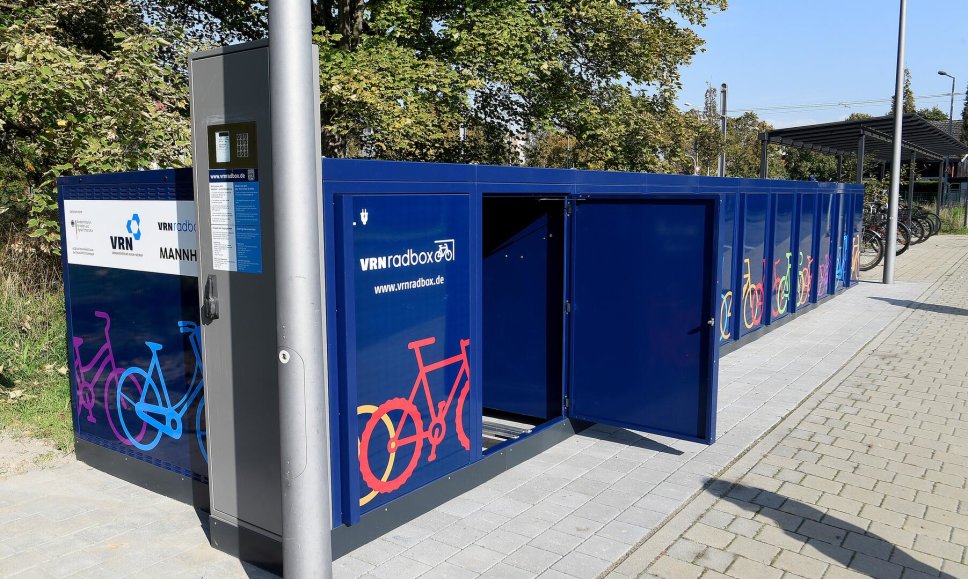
[400, 424]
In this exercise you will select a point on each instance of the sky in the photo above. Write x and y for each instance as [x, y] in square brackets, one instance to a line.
[781, 53]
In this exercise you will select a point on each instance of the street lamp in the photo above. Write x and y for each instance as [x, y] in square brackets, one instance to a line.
[695, 146]
[951, 114]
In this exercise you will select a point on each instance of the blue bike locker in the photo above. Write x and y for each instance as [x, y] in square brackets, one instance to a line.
[128, 252]
[470, 309]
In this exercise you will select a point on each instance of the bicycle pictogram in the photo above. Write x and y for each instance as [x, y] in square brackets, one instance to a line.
[103, 361]
[781, 286]
[150, 409]
[823, 276]
[396, 425]
[804, 279]
[842, 258]
[855, 257]
[725, 315]
[752, 297]
[445, 250]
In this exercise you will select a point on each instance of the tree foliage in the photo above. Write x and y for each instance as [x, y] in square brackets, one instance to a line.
[101, 86]
[964, 118]
[82, 90]
[933, 114]
[908, 105]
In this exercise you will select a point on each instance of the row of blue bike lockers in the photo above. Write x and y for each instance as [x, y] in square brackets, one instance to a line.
[470, 307]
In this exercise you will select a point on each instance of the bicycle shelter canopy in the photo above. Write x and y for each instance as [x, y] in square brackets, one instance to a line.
[868, 138]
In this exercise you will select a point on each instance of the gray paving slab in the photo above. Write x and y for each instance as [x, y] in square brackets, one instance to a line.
[571, 512]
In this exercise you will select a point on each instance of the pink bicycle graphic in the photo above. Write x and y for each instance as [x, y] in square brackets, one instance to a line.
[103, 361]
[403, 426]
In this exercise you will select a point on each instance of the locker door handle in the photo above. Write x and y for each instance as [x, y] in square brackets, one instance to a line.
[210, 302]
[711, 322]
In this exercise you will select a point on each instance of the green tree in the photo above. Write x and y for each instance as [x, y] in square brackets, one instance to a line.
[909, 105]
[964, 119]
[400, 77]
[82, 91]
[933, 114]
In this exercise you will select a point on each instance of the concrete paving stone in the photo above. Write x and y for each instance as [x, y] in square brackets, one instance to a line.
[485, 521]
[603, 548]
[476, 558]
[873, 546]
[408, 535]
[640, 517]
[400, 567]
[781, 538]
[672, 568]
[527, 525]
[801, 565]
[716, 518]
[505, 571]
[707, 535]
[378, 551]
[743, 568]
[581, 565]
[557, 542]
[447, 571]
[533, 559]
[883, 515]
[939, 548]
[348, 567]
[431, 552]
[917, 561]
[745, 527]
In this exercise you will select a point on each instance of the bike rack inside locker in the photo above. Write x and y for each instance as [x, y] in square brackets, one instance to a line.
[523, 304]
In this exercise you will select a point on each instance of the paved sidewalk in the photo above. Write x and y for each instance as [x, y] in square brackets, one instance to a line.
[572, 511]
[866, 478]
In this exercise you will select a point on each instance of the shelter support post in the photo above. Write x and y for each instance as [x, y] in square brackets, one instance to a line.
[881, 170]
[860, 158]
[941, 178]
[765, 158]
[910, 193]
[840, 167]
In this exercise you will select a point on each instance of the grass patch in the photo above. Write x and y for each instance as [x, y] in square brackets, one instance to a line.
[953, 221]
[34, 380]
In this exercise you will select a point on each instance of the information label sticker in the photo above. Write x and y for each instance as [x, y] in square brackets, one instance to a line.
[152, 236]
[235, 223]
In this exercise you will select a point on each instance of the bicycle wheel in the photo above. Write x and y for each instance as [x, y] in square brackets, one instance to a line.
[200, 429]
[935, 221]
[110, 398]
[725, 315]
[465, 442]
[127, 408]
[871, 252]
[374, 442]
[917, 231]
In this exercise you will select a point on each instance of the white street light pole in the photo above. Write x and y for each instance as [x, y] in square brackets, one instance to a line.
[891, 248]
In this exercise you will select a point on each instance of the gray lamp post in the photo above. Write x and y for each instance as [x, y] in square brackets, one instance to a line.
[951, 114]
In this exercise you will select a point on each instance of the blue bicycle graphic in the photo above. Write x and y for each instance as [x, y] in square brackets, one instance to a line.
[147, 413]
[842, 259]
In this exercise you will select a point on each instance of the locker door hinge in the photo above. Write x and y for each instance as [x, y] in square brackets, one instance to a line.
[567, 306]
[566, 403]
[568, 207]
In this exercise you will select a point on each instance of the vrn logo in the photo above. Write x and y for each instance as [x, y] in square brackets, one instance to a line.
[123, 243]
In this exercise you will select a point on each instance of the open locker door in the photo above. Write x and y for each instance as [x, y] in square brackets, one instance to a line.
[643, 349]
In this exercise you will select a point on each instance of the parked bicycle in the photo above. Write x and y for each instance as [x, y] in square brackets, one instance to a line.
[150, 409]
[403, 425]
